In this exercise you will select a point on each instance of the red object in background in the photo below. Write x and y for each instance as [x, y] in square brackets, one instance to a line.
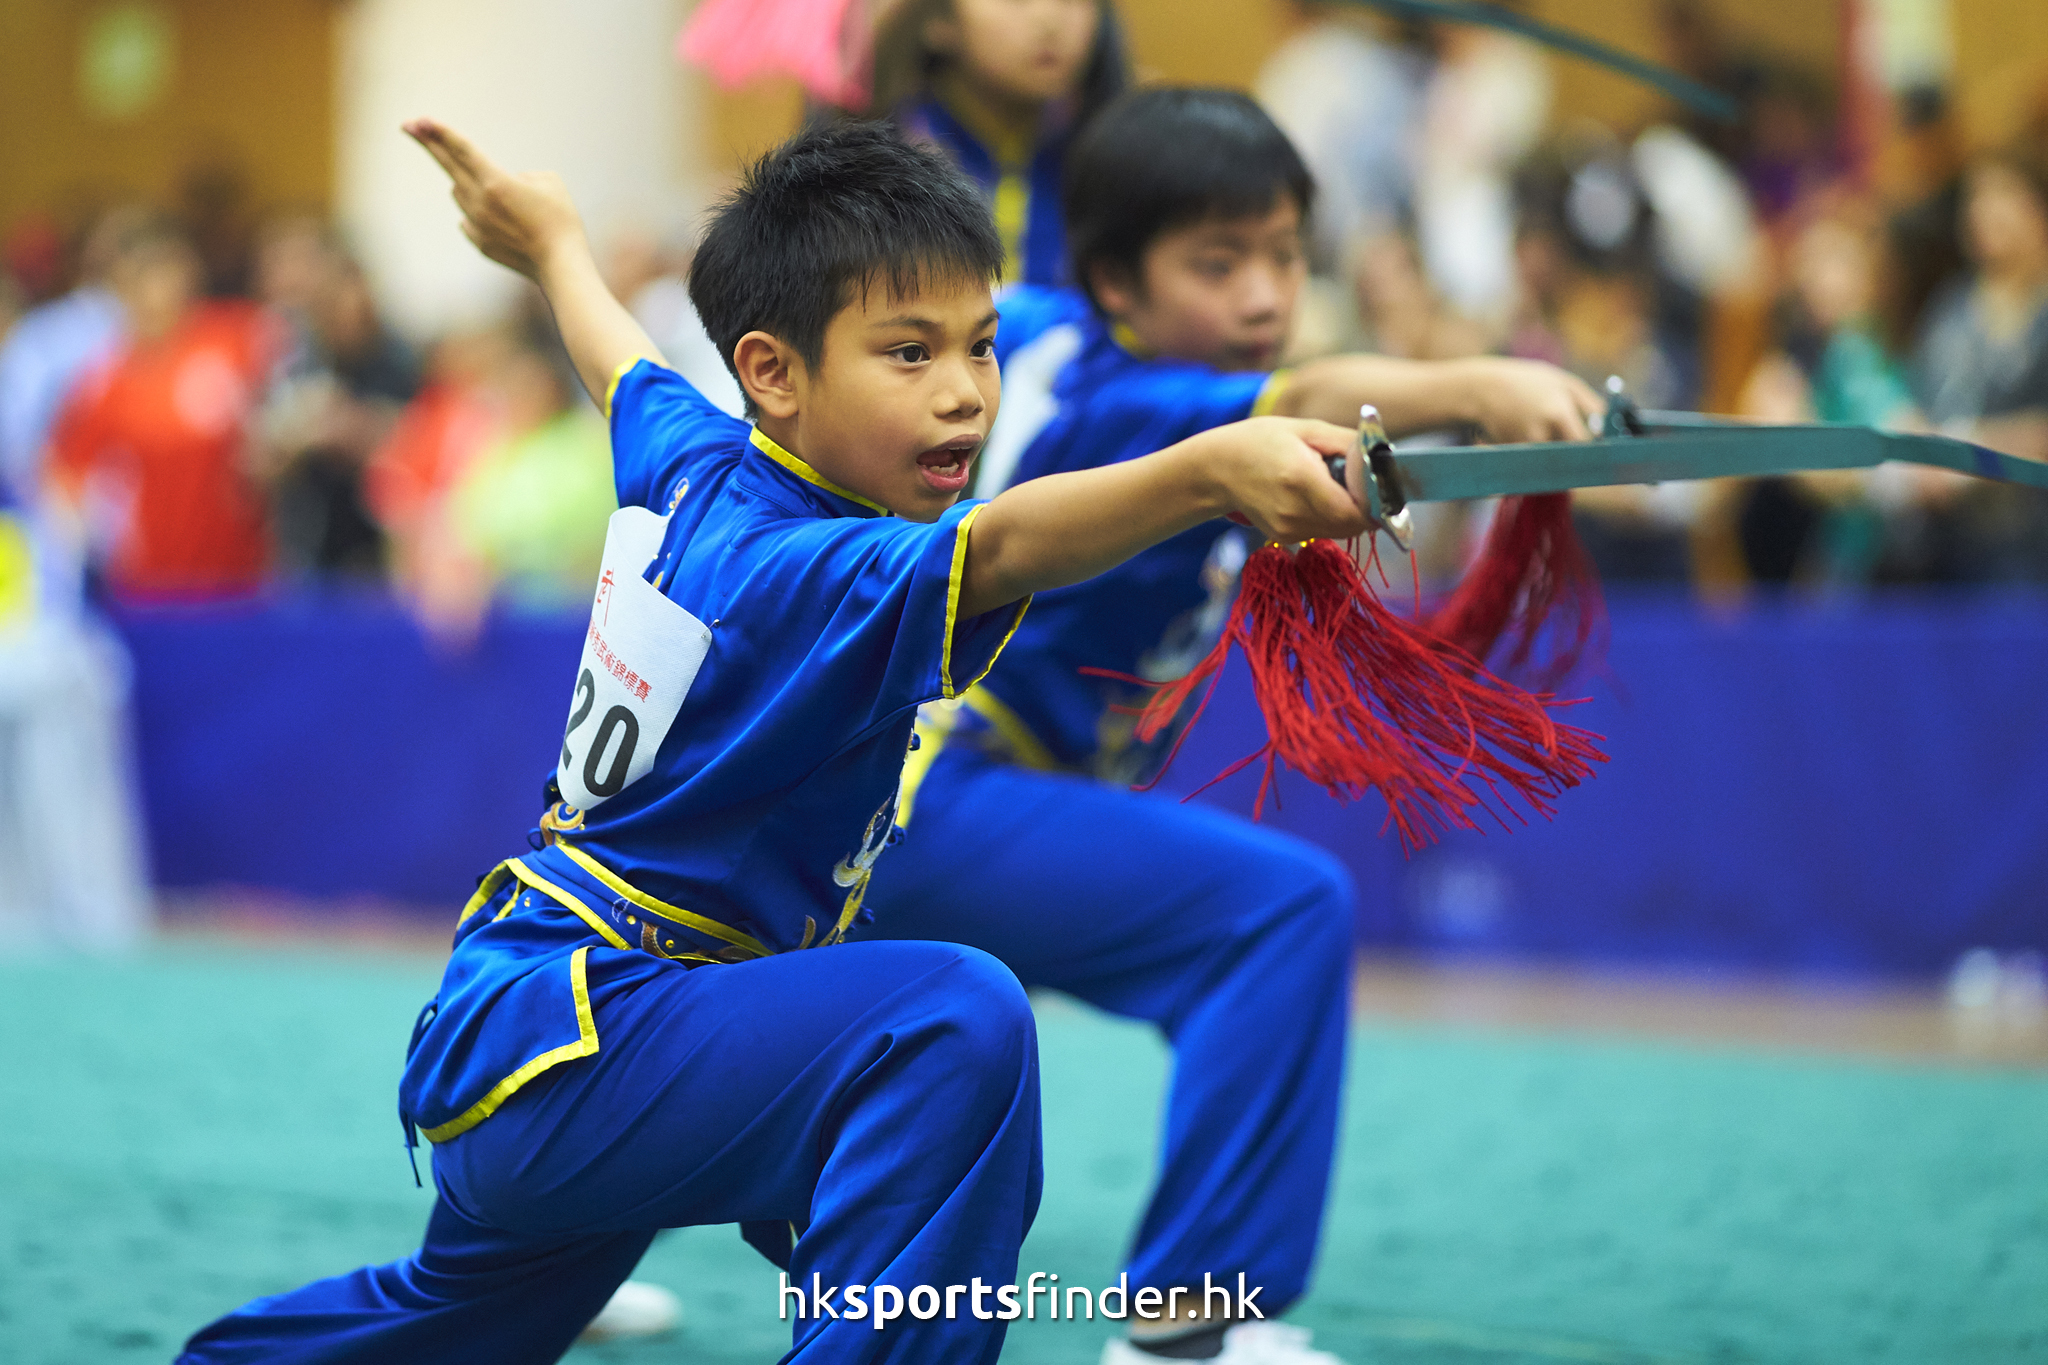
[436, 439]
[1355, 698]
[155, 447]
[823, 43]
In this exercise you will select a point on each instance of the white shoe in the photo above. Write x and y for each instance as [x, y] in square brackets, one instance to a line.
[1248, 1343]
[637, 1309]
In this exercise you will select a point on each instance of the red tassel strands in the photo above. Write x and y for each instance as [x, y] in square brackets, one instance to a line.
[1356, 698]
[1530, 568]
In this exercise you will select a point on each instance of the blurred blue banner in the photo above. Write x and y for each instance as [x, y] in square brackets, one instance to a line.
[1852, 787]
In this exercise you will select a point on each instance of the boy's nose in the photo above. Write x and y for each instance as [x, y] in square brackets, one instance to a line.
[957, 394]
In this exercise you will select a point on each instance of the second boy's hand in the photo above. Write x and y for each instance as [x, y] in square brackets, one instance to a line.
[528, 223]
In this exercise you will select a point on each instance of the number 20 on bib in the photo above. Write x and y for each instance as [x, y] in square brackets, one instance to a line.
[640, 655]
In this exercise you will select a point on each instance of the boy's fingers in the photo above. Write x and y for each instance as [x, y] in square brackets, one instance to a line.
[454, 152]
[1326, 438]
[472, 161]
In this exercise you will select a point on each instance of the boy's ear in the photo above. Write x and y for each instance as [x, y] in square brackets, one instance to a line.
[1114, 289]
[768, 372]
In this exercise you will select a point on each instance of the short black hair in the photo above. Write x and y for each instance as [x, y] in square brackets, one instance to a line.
[1167, 156]
[826, 213]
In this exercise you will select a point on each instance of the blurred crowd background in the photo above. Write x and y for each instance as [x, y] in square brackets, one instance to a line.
[246, 357]
[212, 376]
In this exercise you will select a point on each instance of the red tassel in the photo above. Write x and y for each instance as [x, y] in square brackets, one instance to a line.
[1531, 568]
[1356, 698]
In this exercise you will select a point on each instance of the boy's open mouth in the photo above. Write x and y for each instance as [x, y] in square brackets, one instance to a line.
[945, 468]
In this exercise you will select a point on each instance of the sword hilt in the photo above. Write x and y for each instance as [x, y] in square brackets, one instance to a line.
[1367, 472]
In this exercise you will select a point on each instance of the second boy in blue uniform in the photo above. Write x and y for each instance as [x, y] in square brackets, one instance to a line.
[1185, 209]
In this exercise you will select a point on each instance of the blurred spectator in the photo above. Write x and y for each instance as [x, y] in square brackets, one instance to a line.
[152, 454]
[1350, 99]
[1981, 363]
[213, 204]
[436, 440]
[534, 505]
[497, 481]
[340, 386]
[1485, 107]
[1788, 143]
[1002, 87]
[1593, 296]
[50, 347]
[1927, 242]
[1399, 313]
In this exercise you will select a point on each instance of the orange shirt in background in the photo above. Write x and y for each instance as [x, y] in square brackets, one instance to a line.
[154, 447]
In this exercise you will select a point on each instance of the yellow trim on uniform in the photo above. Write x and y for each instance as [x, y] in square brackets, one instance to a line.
[1122, 335]
[1027, 748]
[1271, 393]
[765, 443]
[958, 575]
[933, 727]
[568, 900]
[485, 889]
[1012, 213]
[611, 390]
[633, 894]
[584, 1046]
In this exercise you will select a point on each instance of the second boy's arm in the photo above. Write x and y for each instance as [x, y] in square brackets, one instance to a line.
[528, 224]
[1063, 528]
[1508, 400]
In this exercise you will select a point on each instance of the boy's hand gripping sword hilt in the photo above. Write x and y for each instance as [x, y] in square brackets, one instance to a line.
[1367, 472]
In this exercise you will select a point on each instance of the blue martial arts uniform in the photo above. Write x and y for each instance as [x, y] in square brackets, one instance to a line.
[1019, 174]
[1236, 941]
[627, 1036]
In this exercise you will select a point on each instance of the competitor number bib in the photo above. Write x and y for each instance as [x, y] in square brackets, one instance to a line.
[640, 656]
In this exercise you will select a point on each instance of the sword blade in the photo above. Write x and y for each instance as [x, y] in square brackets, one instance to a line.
[1691, 452]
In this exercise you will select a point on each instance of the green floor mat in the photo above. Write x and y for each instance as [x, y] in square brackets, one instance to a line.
[185, 1131]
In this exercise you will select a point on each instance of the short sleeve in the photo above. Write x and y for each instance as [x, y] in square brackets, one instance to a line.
[893, 630]
[660, 427]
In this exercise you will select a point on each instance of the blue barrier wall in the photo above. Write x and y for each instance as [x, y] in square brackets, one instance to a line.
[1858, 787]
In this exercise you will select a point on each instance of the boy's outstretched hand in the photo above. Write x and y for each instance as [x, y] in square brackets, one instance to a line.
[1275, 474]
[529, 224]
[519, 221]
[1063, 528]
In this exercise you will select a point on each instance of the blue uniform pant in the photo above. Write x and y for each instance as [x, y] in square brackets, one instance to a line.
[883, 1097]
[1236, 941]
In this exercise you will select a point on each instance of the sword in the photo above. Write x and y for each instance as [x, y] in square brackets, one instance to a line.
[1640, 446]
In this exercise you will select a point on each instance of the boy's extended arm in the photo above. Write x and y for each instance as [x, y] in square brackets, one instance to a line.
[1063, 528]
[1508, 400]
[528, 223]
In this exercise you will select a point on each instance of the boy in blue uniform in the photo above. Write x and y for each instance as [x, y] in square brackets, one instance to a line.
[1185, 209]
[632, 1033]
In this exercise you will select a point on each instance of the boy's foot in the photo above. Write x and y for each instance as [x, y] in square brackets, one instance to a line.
[1248, 1343]
[637, 1309]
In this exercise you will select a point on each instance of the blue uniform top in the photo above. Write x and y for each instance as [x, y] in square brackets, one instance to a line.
[735, 800]
[1075, 398]
[1020, 175]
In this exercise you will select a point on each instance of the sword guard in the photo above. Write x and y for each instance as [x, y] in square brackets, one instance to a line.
[1623, 417]
[1368, 474]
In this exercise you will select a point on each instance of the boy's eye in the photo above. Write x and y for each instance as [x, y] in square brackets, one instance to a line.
[984, 348]
[1214, 267]
[911, 353]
